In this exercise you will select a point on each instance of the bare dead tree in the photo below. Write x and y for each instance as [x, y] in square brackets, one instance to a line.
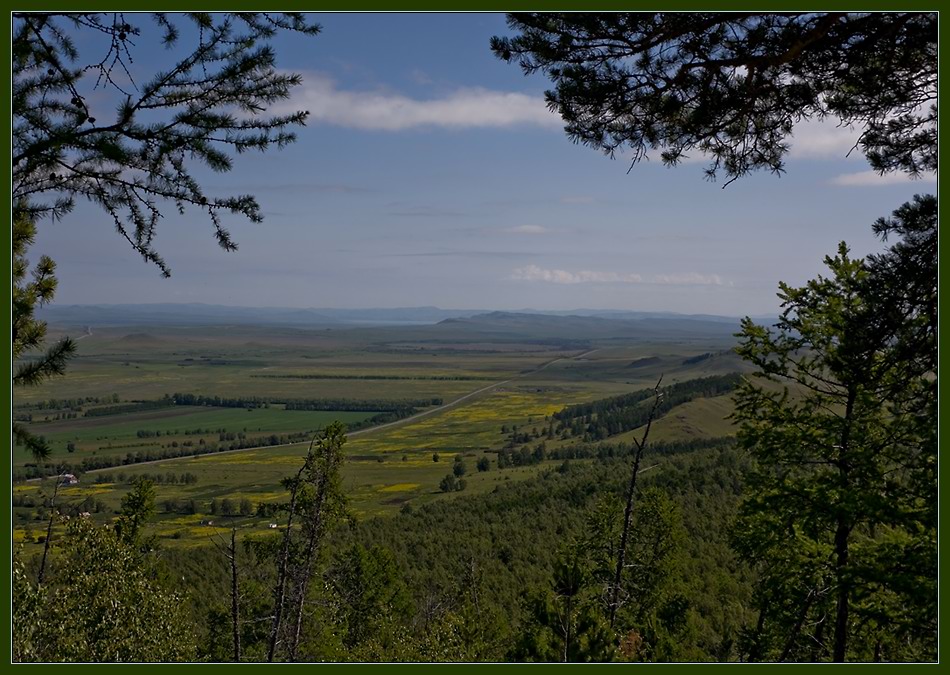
[230, 553]
[49, 527]
[235, 598]
[315, 496]
[628, 510]
[280, 589]
[319, 512]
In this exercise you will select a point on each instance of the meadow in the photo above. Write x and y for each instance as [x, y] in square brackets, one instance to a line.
[480, 388]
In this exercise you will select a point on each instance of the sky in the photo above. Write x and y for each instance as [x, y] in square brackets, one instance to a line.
[432, 173]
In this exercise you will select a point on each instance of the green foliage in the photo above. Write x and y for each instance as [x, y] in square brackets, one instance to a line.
[317, 503]
[366, 605]
[845, 446]
[103, 604]
[28, 601]
[733, 85]
[137, 507]
[655, 542]
[607, 417]
[29, 333]
[466, 577]
[452, 482]
[210, 99]
[517, 533]
[566, 622]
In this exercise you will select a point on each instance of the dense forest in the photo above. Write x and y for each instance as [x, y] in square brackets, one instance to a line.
[483, 577]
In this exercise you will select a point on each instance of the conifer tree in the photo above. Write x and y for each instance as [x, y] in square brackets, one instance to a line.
[88, 123]
[732, 85]
[840, 517]
[29, 334]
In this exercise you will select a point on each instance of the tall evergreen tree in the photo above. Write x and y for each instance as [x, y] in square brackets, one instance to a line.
[841, 516]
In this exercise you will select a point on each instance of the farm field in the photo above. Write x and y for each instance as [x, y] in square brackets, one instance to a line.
[195, 426]
[466, 396]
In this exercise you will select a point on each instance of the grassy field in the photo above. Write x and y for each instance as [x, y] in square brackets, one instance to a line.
[497, 383]
[119, 434]
[702, 418]
[138, 365]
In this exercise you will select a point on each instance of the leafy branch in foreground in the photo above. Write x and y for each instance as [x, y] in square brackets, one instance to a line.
[212, 99]
[732, 85]
[30, 292]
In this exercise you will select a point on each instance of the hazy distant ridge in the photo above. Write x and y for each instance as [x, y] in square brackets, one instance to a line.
[202, 314]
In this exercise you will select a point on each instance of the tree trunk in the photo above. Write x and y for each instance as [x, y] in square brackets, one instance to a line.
[817, 636]
[842, 536]
[628, 509]
[280, 590]
[235, 608]
[755, 651]
[567, 630]
[315, 530]
[49, 529]
[798, 626]
[841, 615]
[303, 578]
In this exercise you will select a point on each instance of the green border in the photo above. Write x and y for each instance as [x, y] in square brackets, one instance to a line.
[441, 6]
[478, 5]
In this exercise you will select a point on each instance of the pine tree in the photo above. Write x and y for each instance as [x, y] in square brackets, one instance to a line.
[732, 85]
[29, 334]
[840, 518]
[136, 160]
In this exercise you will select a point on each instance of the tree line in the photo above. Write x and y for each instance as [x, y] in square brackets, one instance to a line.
[330, 376]
[607, 417]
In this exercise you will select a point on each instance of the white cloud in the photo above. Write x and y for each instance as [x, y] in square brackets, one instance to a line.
[535, 273]
[873, 178]
[689, 279]
[810, 139]
[817, 139]
[382, 110]
[528, 229]
[420, 76]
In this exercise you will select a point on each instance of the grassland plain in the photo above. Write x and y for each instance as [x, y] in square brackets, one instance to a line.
[138, 365]
[387, 468]
[118, 435]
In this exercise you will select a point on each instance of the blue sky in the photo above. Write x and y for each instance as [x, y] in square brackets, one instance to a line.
[431, 173]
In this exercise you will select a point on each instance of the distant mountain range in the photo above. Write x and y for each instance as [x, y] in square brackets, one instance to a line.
[202, 314]
[642, 326]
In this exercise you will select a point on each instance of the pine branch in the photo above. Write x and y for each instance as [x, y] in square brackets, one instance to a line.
[52, 363]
